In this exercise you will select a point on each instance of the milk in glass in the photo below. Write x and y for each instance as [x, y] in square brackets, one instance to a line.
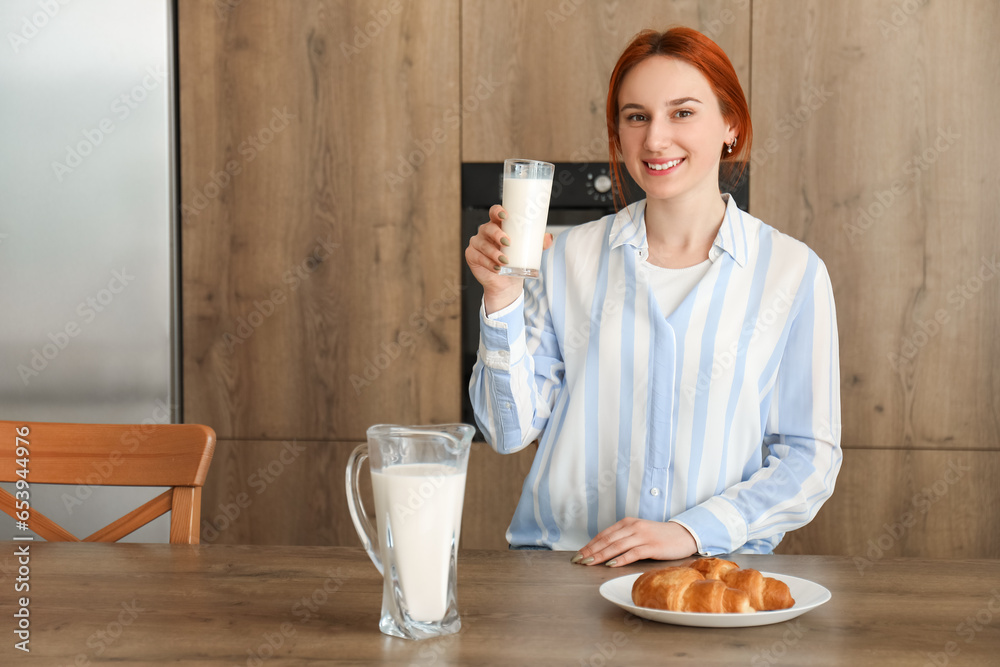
[526, 201]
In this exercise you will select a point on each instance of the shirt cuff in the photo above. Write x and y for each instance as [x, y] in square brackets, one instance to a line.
[499, 314]
[501, 335]
[717, 526]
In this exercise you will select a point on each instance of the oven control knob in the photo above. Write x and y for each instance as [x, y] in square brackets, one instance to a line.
[602, 183]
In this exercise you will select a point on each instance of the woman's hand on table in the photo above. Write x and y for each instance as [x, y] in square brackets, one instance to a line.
[485, 255]
[634, 539]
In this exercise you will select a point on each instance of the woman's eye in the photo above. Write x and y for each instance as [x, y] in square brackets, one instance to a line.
[635, 117]
[686, 112]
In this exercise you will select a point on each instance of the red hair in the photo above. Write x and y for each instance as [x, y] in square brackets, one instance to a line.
[697, 50]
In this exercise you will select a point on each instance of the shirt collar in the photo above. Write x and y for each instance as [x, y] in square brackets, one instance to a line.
[629, 228]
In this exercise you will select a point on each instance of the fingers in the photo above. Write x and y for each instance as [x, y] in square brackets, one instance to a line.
[486, 248]
[547, 241]
[609, 543]
[614, 553]
[632, 539]
[497, 214]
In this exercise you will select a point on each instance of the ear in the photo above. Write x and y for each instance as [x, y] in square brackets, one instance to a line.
[732, 132]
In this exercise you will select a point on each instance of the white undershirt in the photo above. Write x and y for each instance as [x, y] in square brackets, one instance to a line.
[670, 286]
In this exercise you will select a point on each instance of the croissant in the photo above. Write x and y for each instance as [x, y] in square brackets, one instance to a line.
[685, 589]
[713, 568]
[766, 593]
[710, 585]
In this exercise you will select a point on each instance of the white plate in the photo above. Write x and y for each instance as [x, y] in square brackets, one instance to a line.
[807, 594]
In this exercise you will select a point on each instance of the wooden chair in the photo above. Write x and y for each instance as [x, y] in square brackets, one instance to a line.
[174, 455]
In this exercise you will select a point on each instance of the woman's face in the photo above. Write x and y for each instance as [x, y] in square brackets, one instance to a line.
[668, 115]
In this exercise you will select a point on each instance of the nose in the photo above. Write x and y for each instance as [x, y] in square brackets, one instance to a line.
[658, 136]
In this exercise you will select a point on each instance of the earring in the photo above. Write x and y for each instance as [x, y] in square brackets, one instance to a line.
[730, 147]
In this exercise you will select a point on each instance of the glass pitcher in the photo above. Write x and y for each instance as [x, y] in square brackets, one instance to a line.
[418, 479]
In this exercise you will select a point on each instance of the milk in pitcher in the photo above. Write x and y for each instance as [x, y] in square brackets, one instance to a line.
[421, 504]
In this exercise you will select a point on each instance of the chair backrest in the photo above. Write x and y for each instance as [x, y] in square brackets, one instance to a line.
[174, 455]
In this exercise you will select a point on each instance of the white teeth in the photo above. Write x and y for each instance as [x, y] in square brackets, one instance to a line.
[665, 165]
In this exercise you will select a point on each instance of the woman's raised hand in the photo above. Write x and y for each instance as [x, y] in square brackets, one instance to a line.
[485, 256]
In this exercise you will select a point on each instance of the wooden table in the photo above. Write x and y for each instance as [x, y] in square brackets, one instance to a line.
[251, 605]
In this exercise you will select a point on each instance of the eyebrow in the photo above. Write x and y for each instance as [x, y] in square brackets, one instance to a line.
[672, 103]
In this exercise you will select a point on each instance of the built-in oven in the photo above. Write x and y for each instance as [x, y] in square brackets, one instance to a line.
[581, 192]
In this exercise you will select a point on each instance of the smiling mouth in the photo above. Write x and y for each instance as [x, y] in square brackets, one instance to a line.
[663, 166]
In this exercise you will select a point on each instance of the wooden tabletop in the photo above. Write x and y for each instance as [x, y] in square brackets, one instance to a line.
[253, 605]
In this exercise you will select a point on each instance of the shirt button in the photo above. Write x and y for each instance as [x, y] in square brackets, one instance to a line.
[654, 492]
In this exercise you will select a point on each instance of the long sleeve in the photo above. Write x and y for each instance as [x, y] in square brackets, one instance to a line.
[802, 437]
[518, 371]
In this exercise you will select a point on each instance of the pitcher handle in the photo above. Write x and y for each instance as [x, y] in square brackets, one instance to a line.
[359, 516]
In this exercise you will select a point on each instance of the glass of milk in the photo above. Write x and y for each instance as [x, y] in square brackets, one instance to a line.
[527, 185]
[418, 480]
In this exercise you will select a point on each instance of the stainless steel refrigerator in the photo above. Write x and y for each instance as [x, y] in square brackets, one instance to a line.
[88, 227]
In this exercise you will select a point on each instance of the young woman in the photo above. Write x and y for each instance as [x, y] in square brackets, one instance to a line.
[678, 361]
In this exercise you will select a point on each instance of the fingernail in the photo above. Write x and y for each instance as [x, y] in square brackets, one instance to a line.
[496, 267]
[505, 241]
[587, 561]
[577, 558]
[611, 563]
[503, 259]
[502, 215]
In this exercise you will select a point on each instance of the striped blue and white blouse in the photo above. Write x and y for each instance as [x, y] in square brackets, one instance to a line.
[723, 416]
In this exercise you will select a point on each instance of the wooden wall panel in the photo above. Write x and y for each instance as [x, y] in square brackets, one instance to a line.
[869, 146]
[548, 63]
[292, 492]
[319, 180]
[927, 504]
